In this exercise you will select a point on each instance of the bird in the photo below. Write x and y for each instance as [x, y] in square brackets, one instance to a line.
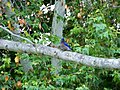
[64, 46]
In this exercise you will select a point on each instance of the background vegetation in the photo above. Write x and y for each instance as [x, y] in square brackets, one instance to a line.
[91, 28]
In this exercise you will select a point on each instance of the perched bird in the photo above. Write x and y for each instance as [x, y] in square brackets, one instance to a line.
[64, 46]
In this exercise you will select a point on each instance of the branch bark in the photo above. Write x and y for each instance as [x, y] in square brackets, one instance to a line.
[65, 55]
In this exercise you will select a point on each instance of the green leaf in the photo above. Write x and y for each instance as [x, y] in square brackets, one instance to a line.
[99, 27]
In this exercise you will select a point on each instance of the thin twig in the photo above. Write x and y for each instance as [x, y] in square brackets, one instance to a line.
[4, 28]
[16, 4]
[116, 6]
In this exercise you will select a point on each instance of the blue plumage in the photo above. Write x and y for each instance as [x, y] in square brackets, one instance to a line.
[64, 46]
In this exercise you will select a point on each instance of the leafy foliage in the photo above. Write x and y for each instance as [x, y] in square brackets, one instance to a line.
[89, 29]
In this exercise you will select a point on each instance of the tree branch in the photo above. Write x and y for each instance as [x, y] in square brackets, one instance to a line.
[65, 55]
[4, 28]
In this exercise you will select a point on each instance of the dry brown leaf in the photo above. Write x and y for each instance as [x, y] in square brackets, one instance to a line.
[3, 88]
[17, 59]
[22, 21]
[28, 3]
[66, 7]
[6, 78]
[40, 13]
[10, 26]
[19, 84]
[0, 14]
[40, 27]
[79, 15]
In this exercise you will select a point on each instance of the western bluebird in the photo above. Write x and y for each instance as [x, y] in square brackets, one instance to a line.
[64, 46]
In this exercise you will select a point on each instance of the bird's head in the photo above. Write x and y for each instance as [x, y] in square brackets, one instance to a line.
[62, 40]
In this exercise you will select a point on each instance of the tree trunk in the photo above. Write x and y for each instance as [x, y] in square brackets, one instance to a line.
[57, 28]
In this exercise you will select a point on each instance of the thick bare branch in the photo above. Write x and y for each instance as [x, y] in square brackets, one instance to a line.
[65, 55]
